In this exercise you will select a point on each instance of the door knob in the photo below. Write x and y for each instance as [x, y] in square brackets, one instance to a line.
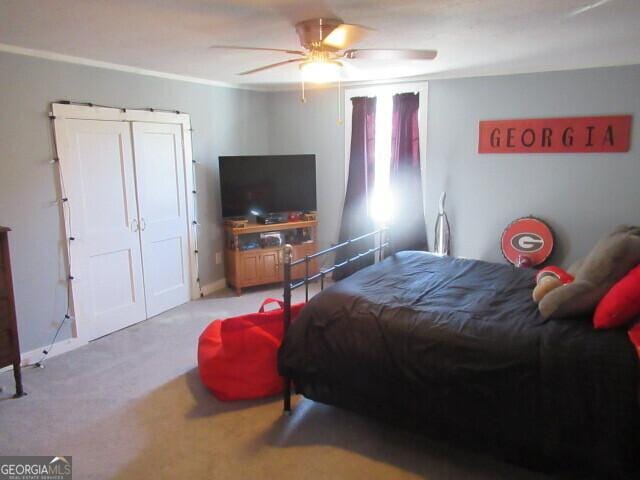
[143, 224]
[134, 225]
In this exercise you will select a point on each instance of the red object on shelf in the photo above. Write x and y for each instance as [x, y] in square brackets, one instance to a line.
[295, 216]
[237, 357]
[527, 242]
[609, 133]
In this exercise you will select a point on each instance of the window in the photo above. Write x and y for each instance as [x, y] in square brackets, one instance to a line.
[381, 201]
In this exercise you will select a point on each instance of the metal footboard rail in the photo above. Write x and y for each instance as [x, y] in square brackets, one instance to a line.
[290, 284]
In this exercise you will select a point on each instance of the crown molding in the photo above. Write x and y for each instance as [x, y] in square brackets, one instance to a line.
[288, 87]
[59, 57]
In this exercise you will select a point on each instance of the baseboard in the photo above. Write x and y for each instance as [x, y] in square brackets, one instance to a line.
[64, 346]
[213, 287]
[58, 348]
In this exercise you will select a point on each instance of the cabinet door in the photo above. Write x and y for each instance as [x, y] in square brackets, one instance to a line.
[310, 249]
[249, 269]
[300, 251]
[270, 266]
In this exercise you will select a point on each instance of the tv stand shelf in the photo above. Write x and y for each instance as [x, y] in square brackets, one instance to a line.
[274, 227]
[263, 266]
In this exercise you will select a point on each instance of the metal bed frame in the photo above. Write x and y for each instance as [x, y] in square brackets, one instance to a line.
[291, 284]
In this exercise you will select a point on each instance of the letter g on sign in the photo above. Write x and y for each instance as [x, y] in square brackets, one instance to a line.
[527, 242]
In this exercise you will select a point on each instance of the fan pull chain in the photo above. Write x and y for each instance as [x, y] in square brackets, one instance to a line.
[303, 99]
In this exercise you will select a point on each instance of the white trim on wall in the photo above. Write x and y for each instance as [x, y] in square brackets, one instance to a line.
[60, 57]
[34, 356]
[213, 287]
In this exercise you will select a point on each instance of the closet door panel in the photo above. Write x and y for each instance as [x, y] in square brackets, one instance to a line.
[160, 179]
[97, 163]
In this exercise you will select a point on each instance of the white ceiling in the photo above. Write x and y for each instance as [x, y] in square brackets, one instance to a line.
[473, 37]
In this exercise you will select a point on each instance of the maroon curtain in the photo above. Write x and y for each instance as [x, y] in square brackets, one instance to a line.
[355, 213]
[408, 228]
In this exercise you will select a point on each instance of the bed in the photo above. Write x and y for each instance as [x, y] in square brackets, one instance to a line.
[457, 349]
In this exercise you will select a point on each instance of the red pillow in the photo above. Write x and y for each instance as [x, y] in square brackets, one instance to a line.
[621, 304]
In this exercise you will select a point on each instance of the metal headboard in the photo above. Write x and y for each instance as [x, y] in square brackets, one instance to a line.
[292, 284]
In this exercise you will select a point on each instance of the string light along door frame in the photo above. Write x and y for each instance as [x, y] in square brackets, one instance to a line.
[61, 111]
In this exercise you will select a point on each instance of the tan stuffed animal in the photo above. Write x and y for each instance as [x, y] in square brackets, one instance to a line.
[544, 286]
[609, 261]
[548, 279]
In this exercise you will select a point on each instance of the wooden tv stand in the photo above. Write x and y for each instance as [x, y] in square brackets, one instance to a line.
[263, 266]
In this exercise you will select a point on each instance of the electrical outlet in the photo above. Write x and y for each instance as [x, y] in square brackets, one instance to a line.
[218, 258]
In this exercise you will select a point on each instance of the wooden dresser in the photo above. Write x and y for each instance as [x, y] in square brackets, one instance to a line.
[9, 346]
[249, 267]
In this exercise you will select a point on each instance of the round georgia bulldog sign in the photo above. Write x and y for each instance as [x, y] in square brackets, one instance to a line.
[527, 242]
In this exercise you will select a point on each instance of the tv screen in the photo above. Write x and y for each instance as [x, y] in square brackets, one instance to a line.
[267, 184]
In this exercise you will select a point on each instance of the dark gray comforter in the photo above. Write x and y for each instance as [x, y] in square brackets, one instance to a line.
[458, 349]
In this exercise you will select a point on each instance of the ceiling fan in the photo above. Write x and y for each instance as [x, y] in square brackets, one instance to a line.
[325, 45]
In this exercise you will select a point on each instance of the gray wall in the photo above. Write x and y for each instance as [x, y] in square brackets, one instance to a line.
[226, 122]
[581, 196]
[312, 127]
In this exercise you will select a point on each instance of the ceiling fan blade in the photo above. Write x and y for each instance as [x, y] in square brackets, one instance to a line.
[273, 65]
[587, 8]
[345, 35]
[390, 54]
[259, 49]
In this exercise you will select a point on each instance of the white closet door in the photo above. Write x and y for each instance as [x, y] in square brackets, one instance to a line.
[97, 163]
[160, 179]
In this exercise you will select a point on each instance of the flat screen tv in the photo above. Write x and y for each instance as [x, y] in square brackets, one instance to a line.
[257, 185]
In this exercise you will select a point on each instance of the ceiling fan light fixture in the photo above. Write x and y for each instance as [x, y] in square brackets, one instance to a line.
[336, 38]
[320, 71]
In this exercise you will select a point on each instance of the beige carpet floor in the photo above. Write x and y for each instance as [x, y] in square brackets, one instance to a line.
[130, 406]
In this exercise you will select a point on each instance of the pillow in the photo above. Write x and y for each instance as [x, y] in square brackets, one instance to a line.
[621, 304]
[610, 260]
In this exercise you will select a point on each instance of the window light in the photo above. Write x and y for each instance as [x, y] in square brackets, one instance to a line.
[381, 201]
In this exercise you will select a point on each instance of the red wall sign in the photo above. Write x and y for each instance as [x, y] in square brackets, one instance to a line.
[556, 135]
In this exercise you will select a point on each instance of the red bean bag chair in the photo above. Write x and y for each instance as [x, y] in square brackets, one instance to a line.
[237, 356]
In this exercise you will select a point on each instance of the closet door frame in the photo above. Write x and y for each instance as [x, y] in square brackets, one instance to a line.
[65, 111]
